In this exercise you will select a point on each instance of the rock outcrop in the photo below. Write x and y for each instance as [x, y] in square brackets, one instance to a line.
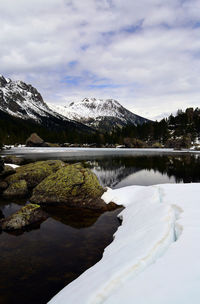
[34, 173]
[54, 182]
[8, 170]
[1, 164]
[16, 189]
[73, 186]
[35, 141]
[12, 159]
[28, 215]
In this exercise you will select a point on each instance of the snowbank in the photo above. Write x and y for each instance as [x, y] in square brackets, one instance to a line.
[12, 165]
[154, 258]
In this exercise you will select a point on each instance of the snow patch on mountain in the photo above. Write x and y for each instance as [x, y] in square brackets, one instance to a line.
[22, 100]
[92, 111]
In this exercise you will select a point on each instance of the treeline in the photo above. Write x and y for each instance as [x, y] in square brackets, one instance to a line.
[15, 130]
[176, 131]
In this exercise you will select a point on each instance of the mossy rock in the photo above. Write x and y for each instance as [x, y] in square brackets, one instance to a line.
[17, 189]
[3, 185]
[73, 186]
[12, 159]
[1, 162]
[26, 216]
[34, 173]
[8, 170]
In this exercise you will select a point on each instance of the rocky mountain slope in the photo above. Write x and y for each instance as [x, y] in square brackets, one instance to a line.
[23, 101]
[100, 114]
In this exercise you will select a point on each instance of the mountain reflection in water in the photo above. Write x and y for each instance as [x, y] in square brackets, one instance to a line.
[147, 170]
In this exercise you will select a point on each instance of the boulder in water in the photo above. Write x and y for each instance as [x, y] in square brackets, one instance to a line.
[16, 189]
[30, 214]
[74, 186]
[34, 173]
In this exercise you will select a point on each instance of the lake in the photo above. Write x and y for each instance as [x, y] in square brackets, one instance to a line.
[38, 262]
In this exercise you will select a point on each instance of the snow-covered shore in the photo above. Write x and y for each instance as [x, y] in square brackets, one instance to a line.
[154, 258]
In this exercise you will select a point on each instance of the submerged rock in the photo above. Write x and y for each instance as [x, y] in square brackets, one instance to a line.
[34, 173]
[16, 189]
[73, 186]
[26, 216]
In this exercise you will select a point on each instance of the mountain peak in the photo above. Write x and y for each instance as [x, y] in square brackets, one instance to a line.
[21, 100]
[103, 114]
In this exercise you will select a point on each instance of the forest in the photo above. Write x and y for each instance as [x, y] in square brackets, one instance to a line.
[176, 131]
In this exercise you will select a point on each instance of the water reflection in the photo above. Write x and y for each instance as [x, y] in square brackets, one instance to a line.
[147, 170]
[37, 264]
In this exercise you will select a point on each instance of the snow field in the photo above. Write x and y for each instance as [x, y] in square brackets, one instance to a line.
[154, 257]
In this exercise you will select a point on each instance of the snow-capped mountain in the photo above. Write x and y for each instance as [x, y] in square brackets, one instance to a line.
[99, 114]
[23, 101]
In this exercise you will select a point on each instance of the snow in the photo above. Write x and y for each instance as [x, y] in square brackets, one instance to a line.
[12, 165]
[83, 109]
[30, 104]
[96, 151]
[154, 257]
[95, 109]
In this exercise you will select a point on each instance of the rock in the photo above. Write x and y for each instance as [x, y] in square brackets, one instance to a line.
[48, 144]
[1, 214]
[26, 216]
[12, 159]
[3, 81]
[17, 189]
[34, 141]
[34, 173]
[3, 185]
[8, 170]
[1, 164]
[73, 186]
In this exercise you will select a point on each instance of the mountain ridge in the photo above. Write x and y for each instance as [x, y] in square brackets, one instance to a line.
[23, 101]
[100, 114]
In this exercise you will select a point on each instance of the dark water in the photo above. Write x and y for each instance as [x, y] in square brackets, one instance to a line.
[36, 264]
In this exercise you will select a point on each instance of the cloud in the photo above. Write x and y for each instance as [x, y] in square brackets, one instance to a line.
[146, 54]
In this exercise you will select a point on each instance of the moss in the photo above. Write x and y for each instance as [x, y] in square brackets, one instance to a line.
[8, 170]
[17, 189]
[26, 216]
[28, 209]
[34, 173]
[70, 184]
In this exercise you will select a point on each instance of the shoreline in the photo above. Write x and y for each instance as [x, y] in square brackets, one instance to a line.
[158, 224]
[20, 151]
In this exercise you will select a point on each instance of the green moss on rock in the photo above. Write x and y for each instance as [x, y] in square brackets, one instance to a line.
[34, 173]
[8, 170]
[26, 216]
[17, 189]
[72, 185]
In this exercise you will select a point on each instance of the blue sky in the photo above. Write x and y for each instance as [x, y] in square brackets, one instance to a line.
[145, 54]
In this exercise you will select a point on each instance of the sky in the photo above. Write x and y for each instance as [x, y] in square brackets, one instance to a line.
[145, 54]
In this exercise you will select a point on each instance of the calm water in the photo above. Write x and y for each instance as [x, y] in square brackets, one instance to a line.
[37, 263]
